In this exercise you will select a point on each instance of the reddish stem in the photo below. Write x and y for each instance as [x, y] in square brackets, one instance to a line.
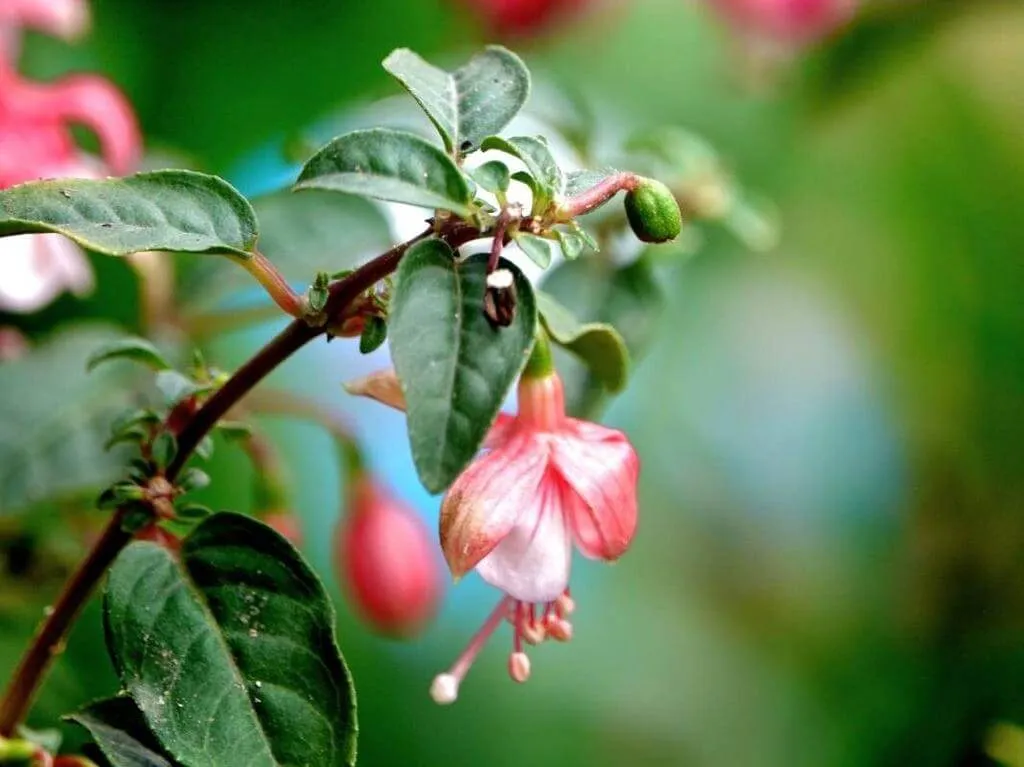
[597, 195]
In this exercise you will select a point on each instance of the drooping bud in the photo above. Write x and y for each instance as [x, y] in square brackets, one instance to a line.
[387, 562]
[653, 212]
[500, 298]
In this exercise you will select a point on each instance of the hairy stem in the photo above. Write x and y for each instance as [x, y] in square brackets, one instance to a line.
[266, 274]
[48, 641]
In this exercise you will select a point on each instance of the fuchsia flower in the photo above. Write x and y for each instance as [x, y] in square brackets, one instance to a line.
[544, 484]
[796, 22]
[386, 562]
[36, 142]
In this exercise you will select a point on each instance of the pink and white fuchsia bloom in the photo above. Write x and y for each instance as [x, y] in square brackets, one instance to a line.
[543, 484]
[36, 142]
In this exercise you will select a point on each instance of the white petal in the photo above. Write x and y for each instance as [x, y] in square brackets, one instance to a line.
[27, 282]
[532, 562]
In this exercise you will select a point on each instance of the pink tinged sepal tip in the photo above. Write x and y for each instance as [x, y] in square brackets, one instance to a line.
[382, 385]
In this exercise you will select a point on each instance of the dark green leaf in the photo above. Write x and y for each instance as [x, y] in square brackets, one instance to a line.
[135, 349]
[170, 210]
[55, 418]
[471, 103]
[455, 368]
[231, 655]
[164, 448]
[540, 163]
[121, 732]
[389, 165]
[193, 511]
[318, 292]
[234, 430]
[127, 434]
[375, 333]
[597, 344]
[539, 249]
[493, 177]
[628, 299]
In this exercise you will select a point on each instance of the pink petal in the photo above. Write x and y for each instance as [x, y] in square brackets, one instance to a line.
[500, 432]
[486, 500]
[97, 104]
[62, 18]
[382, 385]
[36, 268]
[532, 561]
[600, 469]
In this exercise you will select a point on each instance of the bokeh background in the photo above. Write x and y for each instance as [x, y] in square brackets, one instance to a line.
[830, 563]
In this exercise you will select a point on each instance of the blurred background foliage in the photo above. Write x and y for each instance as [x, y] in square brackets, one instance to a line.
[830, 567]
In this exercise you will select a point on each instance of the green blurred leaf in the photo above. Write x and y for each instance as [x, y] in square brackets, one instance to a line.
[176, 386]
[135, 349]
[169, 210]
[539, 249]
[121, 732]
[549, 180]
[579, 181]
[472, 102]
[55, 418]
[626, 298]
[301, 234]
[597, 344]
[389, 165]
[572, 243]
[231, 655]
[455, 368]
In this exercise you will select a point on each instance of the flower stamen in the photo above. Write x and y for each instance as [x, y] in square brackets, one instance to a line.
[445, 688]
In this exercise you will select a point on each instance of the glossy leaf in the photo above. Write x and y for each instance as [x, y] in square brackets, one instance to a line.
[121, 733]
[628, 298]
[455, 368]
[55, 419]
[374, 334]
[231, 655]
[549, 180]
[472, 102]
[134, 349]
[389, 165]
[540, 250]
[169, 210]
[597, 344]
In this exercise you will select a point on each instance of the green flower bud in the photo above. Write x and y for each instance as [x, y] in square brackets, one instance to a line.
[653, 212]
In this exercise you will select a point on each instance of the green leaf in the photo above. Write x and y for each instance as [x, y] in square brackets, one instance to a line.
[121, 732]
[135, 349]
[193, 479]
[549, 181]
[375, 333]
[572, 243]
[628, 298]
[493, 177]
[597, 344]
[177, 386]
[230, 654]
[539, 249]
[170, 210]
[455, 368]
[471, 103]
[390, 165]
[164, 448]
[234, 430]
[54, 420]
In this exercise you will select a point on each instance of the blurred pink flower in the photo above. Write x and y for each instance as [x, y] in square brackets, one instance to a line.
[793, 22]
[67, 19]
[386, 562]
[521, 18]
[36, 142]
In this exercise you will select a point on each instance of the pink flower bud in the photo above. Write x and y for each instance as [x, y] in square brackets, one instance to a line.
[387, 562]
[788, 21]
